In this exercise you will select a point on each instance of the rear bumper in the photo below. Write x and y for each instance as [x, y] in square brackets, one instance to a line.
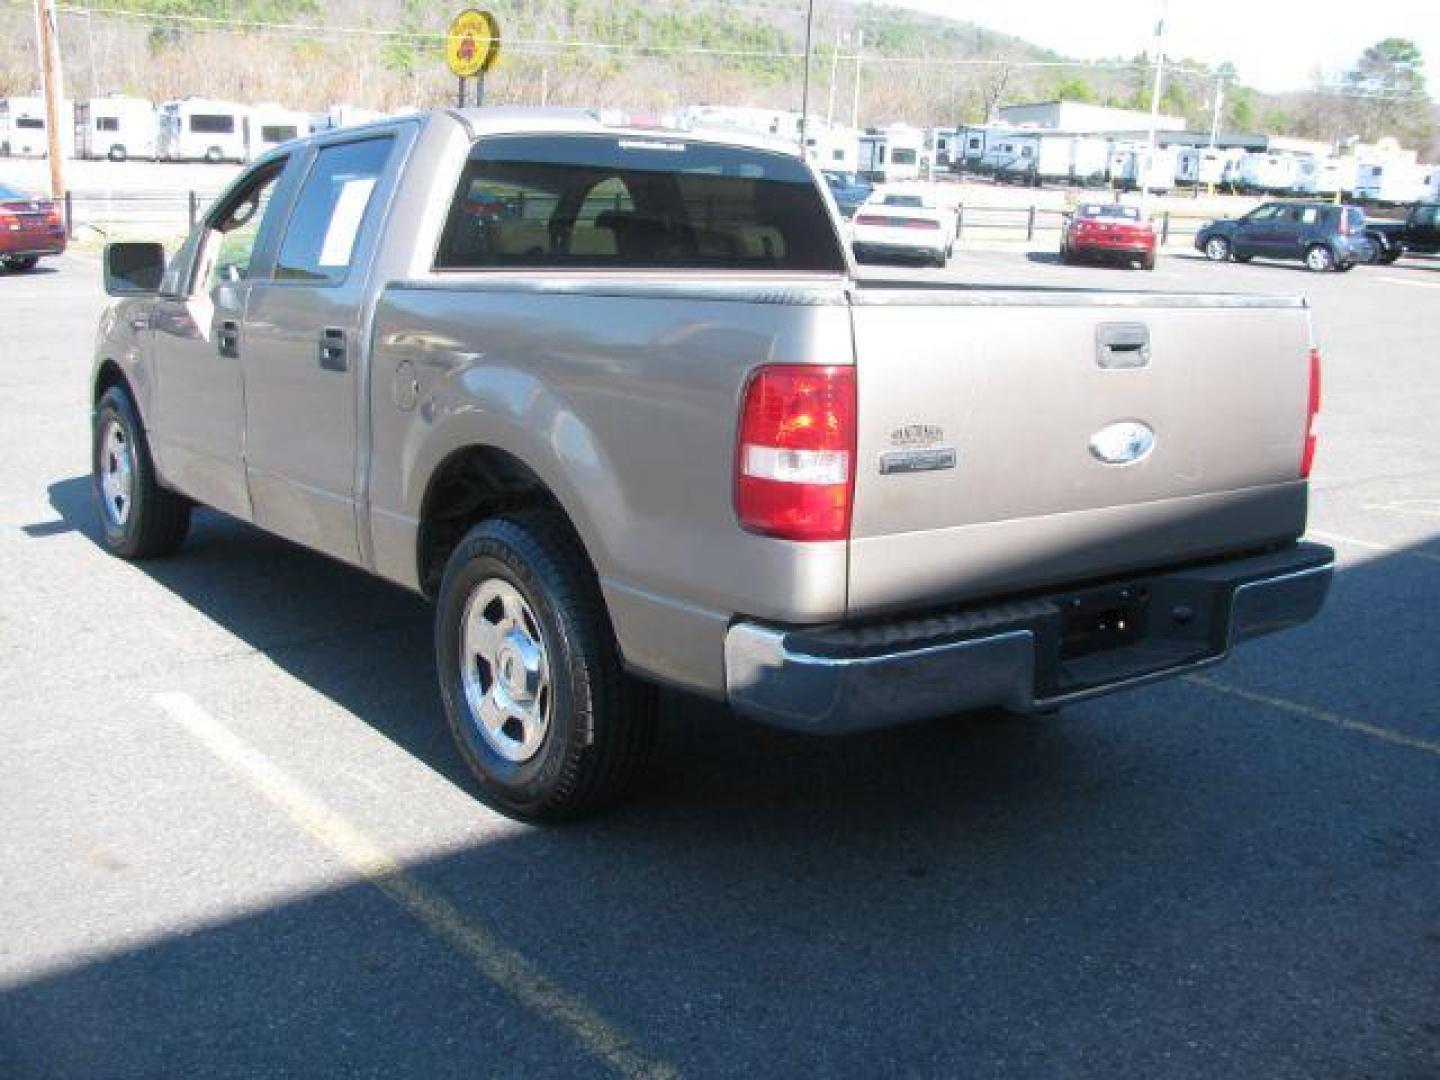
[888, 249]
[20, 245]
[1027, 655]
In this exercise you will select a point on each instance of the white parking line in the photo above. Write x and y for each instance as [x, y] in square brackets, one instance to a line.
[500, 964]
[1336, 538]
[1407, 281]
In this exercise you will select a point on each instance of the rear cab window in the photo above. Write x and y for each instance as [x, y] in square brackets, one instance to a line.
[597, 202]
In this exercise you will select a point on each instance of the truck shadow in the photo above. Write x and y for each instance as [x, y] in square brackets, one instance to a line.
[1127, 891]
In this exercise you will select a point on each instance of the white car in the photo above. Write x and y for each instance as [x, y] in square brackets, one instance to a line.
[895, 224]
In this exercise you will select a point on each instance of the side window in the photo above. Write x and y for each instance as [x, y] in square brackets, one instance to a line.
[234, 227]
[1309, 215]
[330, 212]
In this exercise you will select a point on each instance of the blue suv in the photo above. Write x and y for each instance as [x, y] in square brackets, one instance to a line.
[1322, 235]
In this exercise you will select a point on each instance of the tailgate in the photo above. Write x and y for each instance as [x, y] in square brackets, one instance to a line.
[985, 416]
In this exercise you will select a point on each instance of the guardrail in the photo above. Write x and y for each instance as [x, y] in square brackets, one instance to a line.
[1032, 219]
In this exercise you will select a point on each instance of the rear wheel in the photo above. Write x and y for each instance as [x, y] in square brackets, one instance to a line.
[540, 707]
[139, 518]
[1217, 249]
[1319, 258]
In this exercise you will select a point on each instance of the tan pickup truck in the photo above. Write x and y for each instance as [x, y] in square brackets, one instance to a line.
[616, 398]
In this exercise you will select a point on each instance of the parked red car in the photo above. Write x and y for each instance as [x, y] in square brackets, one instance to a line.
[1110, 231]
[29, 228]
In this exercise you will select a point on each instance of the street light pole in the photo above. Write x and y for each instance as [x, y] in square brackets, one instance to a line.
[834, 74]
[1215, 118]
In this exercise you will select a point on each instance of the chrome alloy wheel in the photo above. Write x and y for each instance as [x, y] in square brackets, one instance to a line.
[117, 473]
[505, 671]
[1217, 249]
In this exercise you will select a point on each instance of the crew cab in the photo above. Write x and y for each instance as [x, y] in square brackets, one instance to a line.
[618, 400]
[1322, 235]
[1419, 233]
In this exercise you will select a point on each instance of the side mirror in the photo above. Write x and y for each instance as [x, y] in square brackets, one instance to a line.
[133, 269]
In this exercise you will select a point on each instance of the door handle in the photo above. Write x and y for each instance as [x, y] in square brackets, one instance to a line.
[1122, 345]
[332, 349]
[139, 323]
[228, 340]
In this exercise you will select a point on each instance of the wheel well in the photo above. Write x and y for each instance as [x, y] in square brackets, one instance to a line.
[110, 375]
[471, 485]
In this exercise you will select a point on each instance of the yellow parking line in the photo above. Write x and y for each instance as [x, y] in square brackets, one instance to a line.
[1369, 545]
[503, 966]
[1375, 731]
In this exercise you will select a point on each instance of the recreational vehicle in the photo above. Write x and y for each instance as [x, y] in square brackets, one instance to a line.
[1135, 166]
[1199, 166]
[196, 129]
[115, 127]
[1326, 176]
[891, 154]
[1011, 156]
[1395, 182]
[1272, 174]
[270, 125]
[23, 132]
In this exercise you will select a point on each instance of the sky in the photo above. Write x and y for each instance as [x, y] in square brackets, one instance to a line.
[1275, 44]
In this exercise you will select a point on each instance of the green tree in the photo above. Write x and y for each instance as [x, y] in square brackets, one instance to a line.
[1386, 88]
[1074, 88]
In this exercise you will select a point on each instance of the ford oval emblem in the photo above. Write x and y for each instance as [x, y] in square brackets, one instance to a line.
[1122, 443]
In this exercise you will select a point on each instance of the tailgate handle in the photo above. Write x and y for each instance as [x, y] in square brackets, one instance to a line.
[1122, 345]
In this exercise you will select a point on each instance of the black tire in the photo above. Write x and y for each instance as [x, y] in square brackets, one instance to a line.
[1345, 268]
[601, 722]
[1320, 259]
[21, 262]
[1391, 255]
[1148, 262]
[156, 520]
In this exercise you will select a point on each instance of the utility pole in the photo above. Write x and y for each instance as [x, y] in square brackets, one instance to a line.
[1154, 105]
[805, 94]
[855, 105]
[834, 72]
[50, 76]
[1215, 118]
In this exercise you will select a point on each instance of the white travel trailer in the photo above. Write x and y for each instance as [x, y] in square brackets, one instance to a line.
[1010, 155]
[1268, 173]
[338, 116]
[115, 127]
[1395, 182]
[831, 147]
[198, 129]
[23, 132]
[1135, 166]
[1197, 166]
[1326, 176]
[1071, 159]
[892, 154]
[944, 144]
[270, 125]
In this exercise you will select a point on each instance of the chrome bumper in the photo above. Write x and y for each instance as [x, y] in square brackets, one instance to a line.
[1030, 655]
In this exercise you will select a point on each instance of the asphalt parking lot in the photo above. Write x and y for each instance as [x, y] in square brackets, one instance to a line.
[238, 843]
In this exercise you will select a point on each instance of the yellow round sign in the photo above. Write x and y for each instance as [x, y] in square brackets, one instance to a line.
[472, 44]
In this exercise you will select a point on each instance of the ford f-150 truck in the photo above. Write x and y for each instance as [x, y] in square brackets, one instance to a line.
[618, 400]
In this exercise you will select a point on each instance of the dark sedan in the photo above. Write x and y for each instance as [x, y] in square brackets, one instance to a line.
[29, 228]
[1322, 235]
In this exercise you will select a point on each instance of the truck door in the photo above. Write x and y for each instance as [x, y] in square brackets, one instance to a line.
[197, 426]
[304, 347]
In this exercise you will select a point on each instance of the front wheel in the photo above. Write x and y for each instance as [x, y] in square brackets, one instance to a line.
[535, 695]
[1217, 249]
[1319, 258]
[139, 519]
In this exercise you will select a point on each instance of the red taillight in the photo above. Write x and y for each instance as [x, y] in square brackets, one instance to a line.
[794, 467]
[1307, 455]
[920, 223]
[871, 219]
